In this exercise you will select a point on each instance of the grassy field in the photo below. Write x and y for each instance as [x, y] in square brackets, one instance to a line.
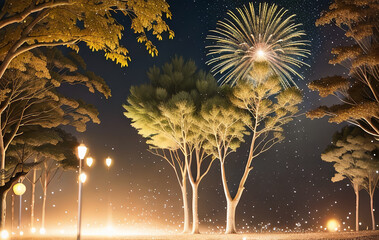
[364, 235]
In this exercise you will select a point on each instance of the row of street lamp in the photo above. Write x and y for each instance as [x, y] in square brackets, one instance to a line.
[19, 189]
[82, 151]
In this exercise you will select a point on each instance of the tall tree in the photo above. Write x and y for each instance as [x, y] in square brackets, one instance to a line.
[224, 128]
[353, 153]
[270, 107]
[168, 108]
[23, 156]
[358, 92]
[64, 158]
[28, 95]
[30, 98]
[30, 24]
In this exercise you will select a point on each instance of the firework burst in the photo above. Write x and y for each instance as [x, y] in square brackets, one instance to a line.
[246, 37]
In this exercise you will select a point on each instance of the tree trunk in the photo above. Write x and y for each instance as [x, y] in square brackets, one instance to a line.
[3, 208]
[372, 211]
[356, 190]
[12, 219]
[195, 213]
[44, 201]
[2, 158]
[231, 204]
[32, 202]
[231, 217]
[186, 228]
[3, 192]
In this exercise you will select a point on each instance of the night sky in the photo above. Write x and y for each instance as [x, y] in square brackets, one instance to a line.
[289, 187]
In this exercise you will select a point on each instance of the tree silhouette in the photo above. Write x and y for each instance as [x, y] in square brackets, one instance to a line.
[167, 112]
[358, 92]
[354, 154]
[30, 98]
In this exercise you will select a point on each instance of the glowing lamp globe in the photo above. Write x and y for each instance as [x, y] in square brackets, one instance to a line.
[82, 150]
[19, 189]
[33, 230]
[108, 161]
[83, 177]
[4, 234]
[42, 231]
[89, 161]
[332, 225]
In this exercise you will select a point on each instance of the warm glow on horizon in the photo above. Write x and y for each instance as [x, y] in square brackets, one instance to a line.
[332, 225]
[4, 234]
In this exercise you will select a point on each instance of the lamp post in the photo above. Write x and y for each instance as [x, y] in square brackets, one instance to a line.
[82, 150]
[19, 189]
[108, 162]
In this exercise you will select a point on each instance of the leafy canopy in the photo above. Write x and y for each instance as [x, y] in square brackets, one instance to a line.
[29, 24]
[359, 92]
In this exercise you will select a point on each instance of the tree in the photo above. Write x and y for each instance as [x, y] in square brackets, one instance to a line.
[63, 159]
[270, 107]
[29, 24]
[31, 89]
[358, 92]
[30, 98]
[166, 112]
[353, 153]
[24, 154]
[224, 128]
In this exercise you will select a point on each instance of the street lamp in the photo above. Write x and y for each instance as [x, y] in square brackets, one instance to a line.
[89, 161]
[19, 189]
[108, 161]
[82, 150]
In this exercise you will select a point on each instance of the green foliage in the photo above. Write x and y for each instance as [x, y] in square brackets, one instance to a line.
[166, 110]
[268, 103]
[42, 144]
[223, 126]
[354, 154]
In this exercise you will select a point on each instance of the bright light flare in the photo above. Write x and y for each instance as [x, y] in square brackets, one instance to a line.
[108, 161]
[42, 231]
[21, 233]
[332, 225]
[33, 230]
[89, 161]
[83, 177]
[261, 54]
[82, 150]
[19, 189]
[4, 234]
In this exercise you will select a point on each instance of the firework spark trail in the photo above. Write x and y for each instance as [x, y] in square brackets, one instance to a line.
[247, 37]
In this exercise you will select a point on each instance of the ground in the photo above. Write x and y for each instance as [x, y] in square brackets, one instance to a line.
[364, 235]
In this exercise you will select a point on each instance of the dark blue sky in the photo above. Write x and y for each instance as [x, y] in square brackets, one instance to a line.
[289, 184]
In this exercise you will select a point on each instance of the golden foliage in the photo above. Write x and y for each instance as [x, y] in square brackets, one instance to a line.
[28, 24]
